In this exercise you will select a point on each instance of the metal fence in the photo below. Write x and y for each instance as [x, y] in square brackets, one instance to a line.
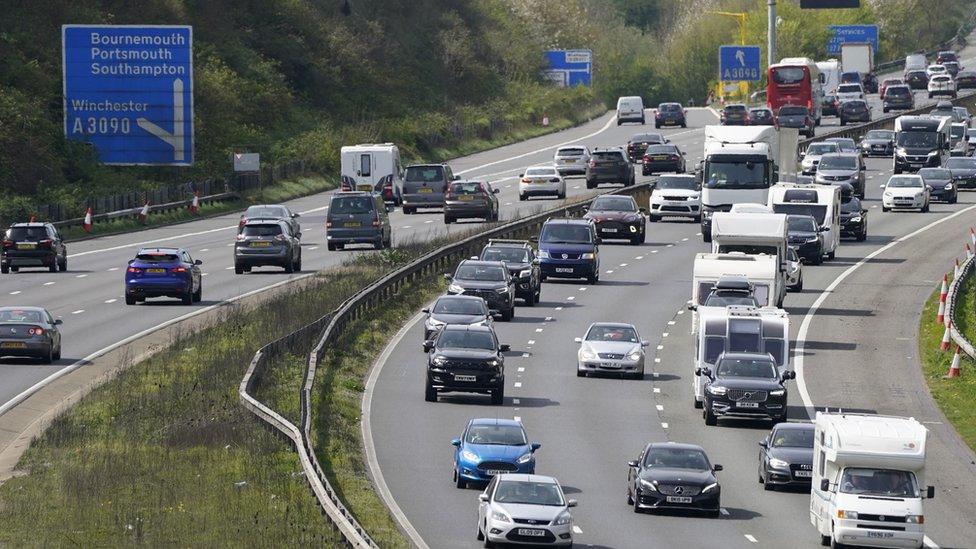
[953, 294]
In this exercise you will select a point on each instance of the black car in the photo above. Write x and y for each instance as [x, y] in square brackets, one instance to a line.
[735, 115]
[870, 82]
[829, 105]
[965, 80]
[617, 216]
[457, 309]
[466, 199]
[263, 242]
[878, 143]
[786, 456]
[670, 114]
[952, 67]
[898, 98]
[963, 171]
[662, 158]
[855, 110]
[639, 143]
[523, 266]
[794, 116]
[670, 475]
[805, 237]
[489, 280]
[745, 385]
[30, 332]
[761, 116]
[465, 359]
[33, 245]
[853, 218]
[917, 80]
[609, 166]
[940, 179]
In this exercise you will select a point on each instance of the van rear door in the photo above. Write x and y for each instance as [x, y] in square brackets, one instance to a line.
[365, 171]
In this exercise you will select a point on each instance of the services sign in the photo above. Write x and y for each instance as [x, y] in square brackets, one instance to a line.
[841, 34]
[128, 90]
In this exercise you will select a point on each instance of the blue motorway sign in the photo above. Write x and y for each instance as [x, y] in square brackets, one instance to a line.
[128, 90]
[739, 63]
[570, 67]
[840, 34]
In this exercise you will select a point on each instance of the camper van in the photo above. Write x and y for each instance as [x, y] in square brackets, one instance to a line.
[753, 233]
[373, 168]
[820, 201]
[829, 75]
[868, 480]
[738, 329]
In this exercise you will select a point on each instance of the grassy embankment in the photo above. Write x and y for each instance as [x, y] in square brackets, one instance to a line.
[954, 396]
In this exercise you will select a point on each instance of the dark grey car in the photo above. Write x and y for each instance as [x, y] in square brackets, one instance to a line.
[467, 199]
[523, 266]
[33, 245]
[267, 242]
[878, 143]
[838, 168]
[943, 188]
[794, 116]
[358, 217]
[457, 309]
[29, 332]
[271, 211]
[898, 98]
[786, 456]
[489, 280]
[424, 186]
[609, 166]
[855, 110]
[963, 171]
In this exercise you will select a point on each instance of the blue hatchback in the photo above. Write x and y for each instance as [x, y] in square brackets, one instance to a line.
[163, 272]
[489, 447]
[569, 248]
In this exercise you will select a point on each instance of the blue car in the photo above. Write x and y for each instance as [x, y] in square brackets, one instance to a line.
[489, 447]
[163, 272]
[569, 248]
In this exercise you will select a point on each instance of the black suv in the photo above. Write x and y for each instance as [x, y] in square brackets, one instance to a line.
[670, 114]
[745, 385]
[466, 359]
[33, 245]
[609, 166]
[523, 266]
[489, 280]
[264, 242]
[853, 218]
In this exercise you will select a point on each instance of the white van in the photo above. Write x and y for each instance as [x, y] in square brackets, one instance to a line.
[820, 201]
[630, 109]
[829, 75]
[373, 167]
[868, 480]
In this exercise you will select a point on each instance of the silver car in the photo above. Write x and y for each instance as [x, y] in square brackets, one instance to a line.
[611, 347]
[529, 509]
[571, 160]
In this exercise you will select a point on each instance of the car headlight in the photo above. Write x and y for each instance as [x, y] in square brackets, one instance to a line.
[717, 391]
[709, 488]
[856, 219]
[525, 458]
[543, 254]
[915, 519]
[469, 455]
[948, 186]
[563, 518]
[841, 513]
[778, 463]
[440, 360]
[587, 354]
[500, 517]
[588, 255]
[707, 214]
[811, 240]
[455, 289]
[933, 153]
[887, 194]
[525, 273]
[502, 290]
[695, 196]
[493, 362]
[636, 355]
[918, 195]
[901, 152]
[434, 323]
[777, 392]
[649, 485]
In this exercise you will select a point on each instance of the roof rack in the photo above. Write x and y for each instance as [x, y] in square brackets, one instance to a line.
[508, 241]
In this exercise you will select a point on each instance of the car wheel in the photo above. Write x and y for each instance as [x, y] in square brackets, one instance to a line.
[925, 208]
[590, 184]
[459, 481]
[4, 269]
[130, 300]
[799, 285]
[430, 393]
[498, 396]
[561, 195]
[710, 418]
[298, 264]
[684, 124]
[637, 240]
[448, 220]
[488, 542]
[529, 301]
[832, 255]
[885, 208]
[63, 264]
[507, 315]
[239, 269]
[580, 373]
[290, 265]
[48, 357]
[630, 499]
[481, 535]
[706, 236]
[843, 122]
[653, 218]
[187, 298]
[198, 295]
[862, 236]
[698, 403]
[592, 279]
[330, 246]
[57, 354]
[54, 267]
[825, 541]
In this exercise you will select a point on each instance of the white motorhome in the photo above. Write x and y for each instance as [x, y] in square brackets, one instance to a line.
[753, 233]
[739, 329]
[830, 75]
[915, 62]
[869, 480]
[762, 271]
[820, 201]
[373, 167]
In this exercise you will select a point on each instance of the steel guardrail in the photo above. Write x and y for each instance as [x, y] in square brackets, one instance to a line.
[965, 272]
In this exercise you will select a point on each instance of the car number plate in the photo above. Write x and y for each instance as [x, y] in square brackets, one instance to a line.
[609, 230]
[425, 190]
[803, 474]
[26, 246]
[679, 499]
[567, 161]
[156, 271]
[494, 472]
[564, 269]
[352, 224]
[465, 198]
[531, 532]
[609, 365]
[14, 345]
[659, 158]
[465, 378]
[880, 535]
[366, 187]
[747, 404]
[260, 244]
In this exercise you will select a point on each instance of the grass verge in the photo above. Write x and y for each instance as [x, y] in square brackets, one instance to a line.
[954, 396]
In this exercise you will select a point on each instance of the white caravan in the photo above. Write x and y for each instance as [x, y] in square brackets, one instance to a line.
[829, 75]
[869, 480]
[753, 233]
[373, 167]
[820, 201]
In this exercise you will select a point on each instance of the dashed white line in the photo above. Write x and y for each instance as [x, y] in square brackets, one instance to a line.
[681, 312]
[517, 418]
[508, 203]
[575, 186]
[659, 347]
[208, 249]
[609, 271]
[752, 539]
[49, 283]
[113, 300]
[657, 360]
[229, 244]
[78, 312]
[229, 268]
[531, 342]
[670, 323]
[518, 384]
[313, 248]
[537, 330]
[406, 226]
[639, 257]
[665, 334]
[521, 368]
[559, 308]
[670, 246]
[655, 375]
[657, 389]
[577, 529]
[548, 319]
[81, 276]
[15, 292]
[570, 298]
[113, 269]
[684, 240]
[429, 221]
[515, 401]
[653, 251]
[664, 425]
[697, 234]
[660, 407]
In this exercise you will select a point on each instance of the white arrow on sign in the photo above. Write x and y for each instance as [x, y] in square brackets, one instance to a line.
[174, 139]
[741, 56]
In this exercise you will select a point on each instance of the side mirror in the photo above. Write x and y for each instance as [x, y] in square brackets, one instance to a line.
[645, 343]
[707, 372]
[456, 178]
[928, 187]
[764, 443]
[863, 212]
[789, 374]
[389, 208]
[692, 307]
[632, 463]
[642, 210]
[930, 492]
[495, 191]
[803, 154]
[131, 261]
[504, 348]
[572, 503]
[824, 485]
[425, 311]
[58, 322]
[599, 240]
[448, 277]
[535, 261]
[428, 345]
[535, 446]
[298, 234]
[716, 468]
[456, 442]
[483, 497]
[586, 208]
[698, 371]
[494, 312]
[295, 215]
[863, 167]
[683, 153]
[198, 262]
[534, 239]
[521, 175]
[578, 339]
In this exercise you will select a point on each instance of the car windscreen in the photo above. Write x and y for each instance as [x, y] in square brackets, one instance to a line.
[265, 211]
[569, 152]
[551, 172]
[788, 75]
[880, 134]
[852, 205]
[927, 140]
[26, 233]
[676, 183]
[849, 88]
[937, 174]
[506, 254]
[832, 162]
[614, 204]
[725, 299]
[261, 230]
[504, 435]
[429, 174]
[823, 148]
[157, 257]
[527, 492]
[463, 339]
[566, 234]
[676, 458]
[467, 187]
[351, 205]
[455, 306]
[905, 182]
[790, 110]
[624, 334]
[878, 482]
[746, 367]
[801, 223]
[961, 163]
[12, 314]
[816, 211]
[792, 438]
[486, 273]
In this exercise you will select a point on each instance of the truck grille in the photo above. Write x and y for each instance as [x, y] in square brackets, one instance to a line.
[746, 395]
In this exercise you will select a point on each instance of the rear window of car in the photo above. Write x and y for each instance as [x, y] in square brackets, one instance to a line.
[661, 149]
[609, 156]
[669, 107]
[941, 78]
[27, 233]
[850, 88]
[266, 211]
[647, 138]
[351, 205]
[789, 110]
[854, 104]
[735, 108]
[569, 152]
[261, 230]
[898, 91]
[540, 171]
[467, 187]
[158, 257]
[424, 173]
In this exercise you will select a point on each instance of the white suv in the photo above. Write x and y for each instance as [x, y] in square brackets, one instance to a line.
[675, 195]
[942, 84]
[541, 180]
[571, 160]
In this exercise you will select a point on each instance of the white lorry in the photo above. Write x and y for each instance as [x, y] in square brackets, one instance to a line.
[868, 480]
[740, 164]
[373, 167]
[755, 234]
[857, 57]
[820, 201]
[739, 329]
[829, 75]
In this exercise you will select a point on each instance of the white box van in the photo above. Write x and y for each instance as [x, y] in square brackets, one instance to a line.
[869, 480]
[630, 109]
[373, 168]
[820, 201]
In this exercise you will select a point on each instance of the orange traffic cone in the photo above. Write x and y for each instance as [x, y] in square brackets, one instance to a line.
[944, 346]
[943, 293]
[954, 367]
[972, 236]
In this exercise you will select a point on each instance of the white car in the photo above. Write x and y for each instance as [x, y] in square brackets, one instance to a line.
[942, 84]
[524, 509]
[935, 69]
[571, 160]
[677, 196]
[611, 347]
[794, 271]
[541, 181]
[851, 90]
[906, 192]
[811, 157]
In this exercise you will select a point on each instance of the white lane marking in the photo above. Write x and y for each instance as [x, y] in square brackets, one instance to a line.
[582, 288]
[517, 418]
[229, 268]
[659, 347]
[724, 511]
[750, 538]
[78, 312]
[929, 543]
[576, 186]
[15, 292]
[670, 245]
[653, 251]
[548, 319]
[665, 334]
[81, 276]
[655, 374]
[537, 330]
[660, 407]
[113, 300]
[657, 360]
[664, 425]
[697, 234]
[406, 226]
[657, 389]
[508, 203]
[559, 308]
[639, 257]
[515, 401]
[508, 186]
[577, 529]
[623, 264]
[49, 283]
[229, 244]
[684, 240]
[801, 336]
[208, 249]
[428, 221]
[670, 323]
[521, 368]
[204, 274]
[681, 312]
[531, 342]
[113, 269]
[610, 271]
[524, 355]
[570, 298]
[313, 248]
[518, 384]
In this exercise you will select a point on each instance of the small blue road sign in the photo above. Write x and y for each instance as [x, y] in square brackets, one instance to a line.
[851, 33]
[570, 67]
[739, 63]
